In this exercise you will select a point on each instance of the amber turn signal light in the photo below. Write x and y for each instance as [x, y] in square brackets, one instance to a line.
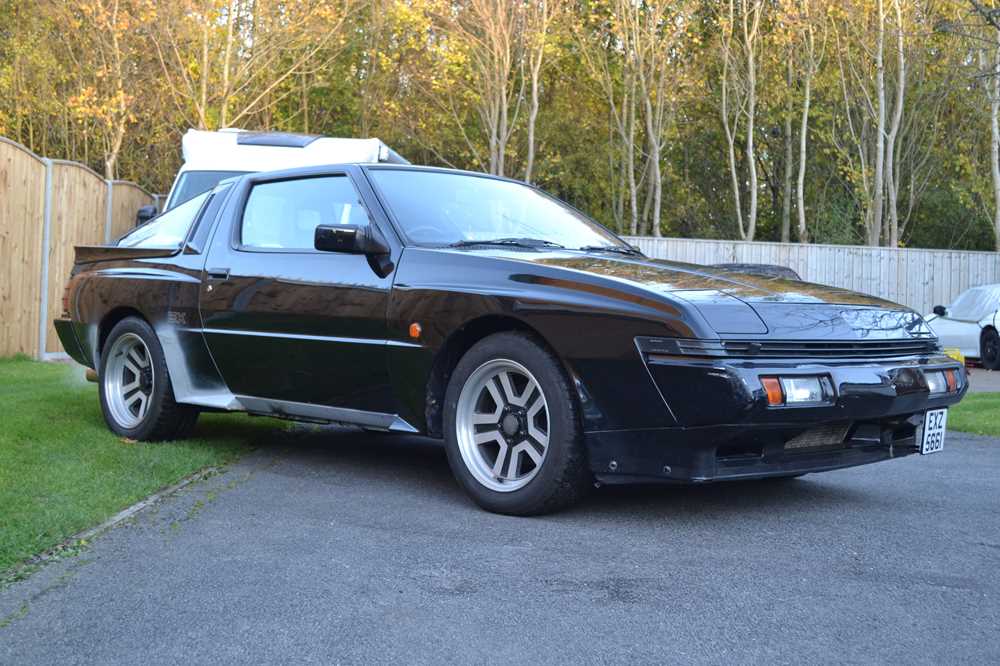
[949, 377]
[775, 396]
[415, 330]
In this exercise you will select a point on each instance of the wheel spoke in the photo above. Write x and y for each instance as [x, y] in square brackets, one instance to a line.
[532, 452]
[529, 390]
[142, 399]
[481, 418]
[537, 433]
[489, 436]
[515, 463]
[143, 405]
[501, 456]
[496, 394]
[131, 368]
[131, 386]
[137, 357]
[508, 388]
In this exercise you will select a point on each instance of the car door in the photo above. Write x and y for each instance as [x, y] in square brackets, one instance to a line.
[289, 324]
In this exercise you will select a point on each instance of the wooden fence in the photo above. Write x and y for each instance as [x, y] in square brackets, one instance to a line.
[46, 208]
[920, 279]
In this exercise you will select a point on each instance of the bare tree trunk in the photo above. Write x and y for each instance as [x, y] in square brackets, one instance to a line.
[532, 117]
[875, 213]
[800, 185]
[539, 35]
[205, 68]
[786, 195]
[891, 176]
[730, 129]
[812, 65]
[653, 142]
[630, 159]
[750, 38]
[305, 107]
[994, 87]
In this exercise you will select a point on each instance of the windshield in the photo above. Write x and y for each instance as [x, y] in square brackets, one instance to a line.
[192, 183]
[974, 304]
[437, 209]
[166, 230]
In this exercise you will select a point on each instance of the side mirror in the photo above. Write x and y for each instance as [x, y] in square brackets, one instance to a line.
[145, 214]
[940, 311]
[349, 238]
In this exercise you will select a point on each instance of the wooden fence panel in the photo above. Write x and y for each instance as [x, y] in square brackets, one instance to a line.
[22, 210]
[920, 279]
[79, 216]
[126, 199]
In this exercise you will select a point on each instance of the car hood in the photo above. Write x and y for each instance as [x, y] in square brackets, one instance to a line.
[674, 277]
[741, 304]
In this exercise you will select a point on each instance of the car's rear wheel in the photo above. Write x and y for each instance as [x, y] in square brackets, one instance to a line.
[512, 429]
[137, 398]
[989, 349]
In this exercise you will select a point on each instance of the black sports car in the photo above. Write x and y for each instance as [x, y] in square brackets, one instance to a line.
[547, 353]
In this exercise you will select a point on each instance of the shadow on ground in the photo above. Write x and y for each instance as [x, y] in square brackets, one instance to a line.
[418, 468]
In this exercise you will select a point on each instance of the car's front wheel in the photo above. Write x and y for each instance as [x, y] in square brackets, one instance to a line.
[989, 349]
[512, 429]
[137, 398]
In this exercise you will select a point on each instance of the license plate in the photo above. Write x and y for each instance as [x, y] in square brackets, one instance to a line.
[932, 433]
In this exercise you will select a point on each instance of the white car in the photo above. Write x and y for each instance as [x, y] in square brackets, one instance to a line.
[970, 324]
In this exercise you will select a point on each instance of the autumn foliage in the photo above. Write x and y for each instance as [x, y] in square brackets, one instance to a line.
[843, 121]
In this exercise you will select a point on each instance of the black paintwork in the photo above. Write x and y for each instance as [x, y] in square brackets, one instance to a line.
[326, 336]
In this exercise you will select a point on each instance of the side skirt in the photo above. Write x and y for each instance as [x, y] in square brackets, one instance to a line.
[310, 412]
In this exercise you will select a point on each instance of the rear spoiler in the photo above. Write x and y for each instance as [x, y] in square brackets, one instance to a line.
[87, 254]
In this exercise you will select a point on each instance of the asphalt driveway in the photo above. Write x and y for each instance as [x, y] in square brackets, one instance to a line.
[349, 547]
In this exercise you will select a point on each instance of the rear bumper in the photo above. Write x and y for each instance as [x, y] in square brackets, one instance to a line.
[726, 430]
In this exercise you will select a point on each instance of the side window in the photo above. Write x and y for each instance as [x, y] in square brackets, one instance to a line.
[284, 214]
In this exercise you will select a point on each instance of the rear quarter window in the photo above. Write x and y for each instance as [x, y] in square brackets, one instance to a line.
[167, 230]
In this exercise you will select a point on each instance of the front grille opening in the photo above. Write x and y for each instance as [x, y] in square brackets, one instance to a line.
[823, 437]
[832, 349]
[740, 451]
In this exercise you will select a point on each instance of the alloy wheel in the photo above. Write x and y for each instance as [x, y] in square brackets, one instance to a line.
[502, 425]
[129, 380]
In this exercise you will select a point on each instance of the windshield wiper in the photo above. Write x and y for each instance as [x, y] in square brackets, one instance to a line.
[609, 248]
[517, 242]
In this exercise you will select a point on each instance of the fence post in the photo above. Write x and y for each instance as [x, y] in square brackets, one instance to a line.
[43, 315]
[109, 215]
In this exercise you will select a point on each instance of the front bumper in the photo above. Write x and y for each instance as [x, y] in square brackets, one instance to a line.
[727, 430]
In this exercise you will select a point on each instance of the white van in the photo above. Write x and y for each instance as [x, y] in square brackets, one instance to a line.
[210, 157]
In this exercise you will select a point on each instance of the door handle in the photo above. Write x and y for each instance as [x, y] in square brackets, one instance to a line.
[217, 274]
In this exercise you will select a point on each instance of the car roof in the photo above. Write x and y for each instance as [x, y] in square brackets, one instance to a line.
[323, 168]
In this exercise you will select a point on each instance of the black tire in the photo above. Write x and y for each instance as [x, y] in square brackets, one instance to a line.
[563, 476]
[989, 349]
[164, 419]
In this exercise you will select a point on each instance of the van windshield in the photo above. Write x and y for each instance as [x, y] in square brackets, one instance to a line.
[192, 183]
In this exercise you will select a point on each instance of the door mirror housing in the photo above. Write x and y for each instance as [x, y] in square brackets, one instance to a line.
[940, 311]
[350, 239]
[145, 214]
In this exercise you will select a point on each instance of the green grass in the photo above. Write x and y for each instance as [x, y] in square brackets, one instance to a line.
[978, 413]
[62, 470]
